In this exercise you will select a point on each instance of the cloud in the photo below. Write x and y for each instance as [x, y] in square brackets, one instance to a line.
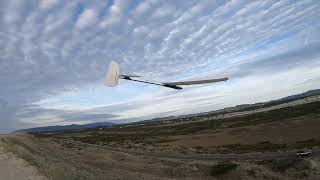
[87, 18]
[142, 8]
[46, 4]
[54, 54]
[116, 14]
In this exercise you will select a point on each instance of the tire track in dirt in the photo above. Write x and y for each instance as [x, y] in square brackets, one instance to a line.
[14, 168]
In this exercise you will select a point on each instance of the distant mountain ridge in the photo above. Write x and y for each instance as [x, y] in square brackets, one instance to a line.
[302, 95]
[245, 107]
[50, 129]
[238, 108]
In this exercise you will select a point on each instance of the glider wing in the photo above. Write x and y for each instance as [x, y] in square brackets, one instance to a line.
[196, 82]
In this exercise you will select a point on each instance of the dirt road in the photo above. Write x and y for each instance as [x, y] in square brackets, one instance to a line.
[14, 168]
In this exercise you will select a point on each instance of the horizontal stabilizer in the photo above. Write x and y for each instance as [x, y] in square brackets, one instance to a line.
[128, 76]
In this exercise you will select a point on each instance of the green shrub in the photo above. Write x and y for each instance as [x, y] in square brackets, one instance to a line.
[260, 147]
[222, 168]
[283, 165]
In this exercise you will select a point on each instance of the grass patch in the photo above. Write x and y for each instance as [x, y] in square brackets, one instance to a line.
[266, 146]
[308, 143]
[222, 168]
[260, 147]
[162, 140]
[280, 165]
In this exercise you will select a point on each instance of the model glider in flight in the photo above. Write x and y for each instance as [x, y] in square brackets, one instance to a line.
[113, 76]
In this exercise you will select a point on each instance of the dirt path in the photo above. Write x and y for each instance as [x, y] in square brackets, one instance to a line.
[13, 168]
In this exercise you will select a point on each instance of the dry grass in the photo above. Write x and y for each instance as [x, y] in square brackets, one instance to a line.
[70, 160]
[73, 161]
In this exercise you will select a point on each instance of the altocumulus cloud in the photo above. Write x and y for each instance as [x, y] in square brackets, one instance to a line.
[54, 53]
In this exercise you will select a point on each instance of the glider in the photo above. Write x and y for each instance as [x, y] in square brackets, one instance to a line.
[113, 76]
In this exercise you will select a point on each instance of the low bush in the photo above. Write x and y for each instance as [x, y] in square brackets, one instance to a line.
[222, 168]
[280, 165]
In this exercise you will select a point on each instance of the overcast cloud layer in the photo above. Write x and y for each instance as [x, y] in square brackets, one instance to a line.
[54, 54]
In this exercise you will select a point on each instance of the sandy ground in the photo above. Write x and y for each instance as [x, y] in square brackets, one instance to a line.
[13, 168]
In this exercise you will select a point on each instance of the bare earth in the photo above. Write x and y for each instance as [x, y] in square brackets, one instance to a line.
[15, 168]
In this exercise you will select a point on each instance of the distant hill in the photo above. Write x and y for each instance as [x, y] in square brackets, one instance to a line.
[300, 96]
[238, 108]
[50, 129]
[246, 107]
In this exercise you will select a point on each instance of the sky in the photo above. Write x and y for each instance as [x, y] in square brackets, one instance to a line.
[54, 55]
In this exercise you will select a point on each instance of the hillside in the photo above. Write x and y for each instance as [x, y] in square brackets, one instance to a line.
[238, 108]
[72, 127]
